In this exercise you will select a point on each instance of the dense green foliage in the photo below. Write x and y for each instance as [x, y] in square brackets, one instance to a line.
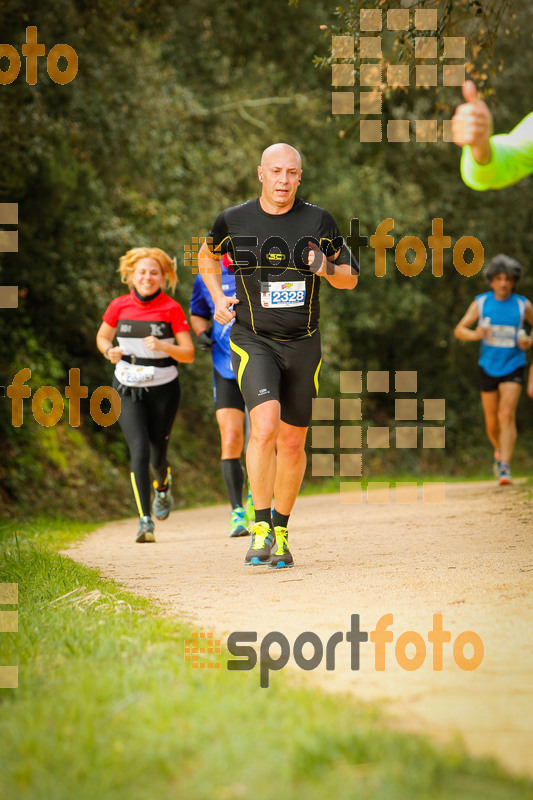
[160, 129]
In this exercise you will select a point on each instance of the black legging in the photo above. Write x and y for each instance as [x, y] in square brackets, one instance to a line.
[146, 424]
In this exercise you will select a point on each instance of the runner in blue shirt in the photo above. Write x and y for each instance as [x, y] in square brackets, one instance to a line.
[229, 404]
[500, 315]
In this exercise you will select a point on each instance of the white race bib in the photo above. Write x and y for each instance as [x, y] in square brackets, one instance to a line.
[501, 336]
[283, 294]
[133, 374]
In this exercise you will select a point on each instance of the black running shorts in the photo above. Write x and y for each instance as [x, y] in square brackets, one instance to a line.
[489, 383]
[268, 369]
[226, 392]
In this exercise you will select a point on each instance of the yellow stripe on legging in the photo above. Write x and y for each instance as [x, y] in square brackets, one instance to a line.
[136, 493]
[316, 375]
[243, 355]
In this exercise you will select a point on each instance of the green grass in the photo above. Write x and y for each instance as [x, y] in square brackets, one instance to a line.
[108, 709]
[54, 532]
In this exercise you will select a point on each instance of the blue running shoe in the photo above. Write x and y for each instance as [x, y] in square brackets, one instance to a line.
[237, 525]
[505, 475]
[262, 542]
[146, 530]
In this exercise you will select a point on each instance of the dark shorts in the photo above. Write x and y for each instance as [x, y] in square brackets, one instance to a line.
[268, 369]
[226, 392]
[489, 383]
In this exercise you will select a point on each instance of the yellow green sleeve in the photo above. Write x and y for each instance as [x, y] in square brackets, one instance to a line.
[512, 159]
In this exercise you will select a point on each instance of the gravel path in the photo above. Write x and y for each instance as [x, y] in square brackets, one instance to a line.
[469, 559]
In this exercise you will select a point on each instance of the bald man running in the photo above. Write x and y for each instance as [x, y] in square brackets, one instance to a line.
[281, 247]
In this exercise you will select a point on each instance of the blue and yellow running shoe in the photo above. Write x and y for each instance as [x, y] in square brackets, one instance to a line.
[281, 555]
[163, 500]
[237, 524]
[262, 542]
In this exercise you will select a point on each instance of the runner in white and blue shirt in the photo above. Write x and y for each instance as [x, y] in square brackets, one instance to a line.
[500, 316]
[202, 306]
[229, 404]
[500, 355]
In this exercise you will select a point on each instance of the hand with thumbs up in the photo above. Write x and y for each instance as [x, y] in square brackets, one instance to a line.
[472, 124]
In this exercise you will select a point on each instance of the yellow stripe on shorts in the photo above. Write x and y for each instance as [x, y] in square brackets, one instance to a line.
[316, 375]
[243, 355]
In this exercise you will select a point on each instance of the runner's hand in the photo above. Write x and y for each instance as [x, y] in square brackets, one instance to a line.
[472, 124]
[114, 354]
[204, 341]
[479, 333]
[316, 260]
[223, 314]
[153, 343]
[525, 342]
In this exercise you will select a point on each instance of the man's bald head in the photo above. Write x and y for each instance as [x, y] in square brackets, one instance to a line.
[280, 151]
[280, 174]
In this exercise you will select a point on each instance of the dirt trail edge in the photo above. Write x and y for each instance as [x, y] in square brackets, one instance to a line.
[470, 559]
